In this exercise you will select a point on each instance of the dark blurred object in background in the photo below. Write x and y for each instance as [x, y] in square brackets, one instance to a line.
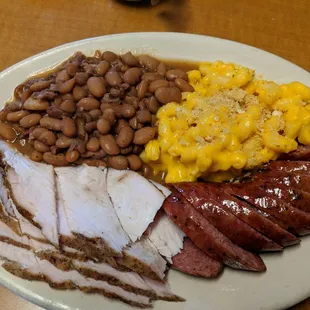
[153, 2]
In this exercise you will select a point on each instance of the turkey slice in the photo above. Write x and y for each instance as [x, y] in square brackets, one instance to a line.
[32, 189]
[164, 234]
[88, 211]
[135, 200]
[129, 281]
[29, 267]
[143, 258]
[24, 226]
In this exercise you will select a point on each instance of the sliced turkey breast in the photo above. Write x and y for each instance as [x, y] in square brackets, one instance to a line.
[6, 213]
[162, 290]
[135, 199]
[70, 244]
[163, 233]
[26, 265]
[42, 250]
[8, 235]
[143, 258]
[12, 237]
[32, 188]
[89, 212]
[20, 225]
[129, 281]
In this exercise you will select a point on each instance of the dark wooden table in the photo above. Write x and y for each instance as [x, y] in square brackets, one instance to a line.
[28, 27]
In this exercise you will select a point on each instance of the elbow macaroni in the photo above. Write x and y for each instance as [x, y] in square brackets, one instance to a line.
[231, 122]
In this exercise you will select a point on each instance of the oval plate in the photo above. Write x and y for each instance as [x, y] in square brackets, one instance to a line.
[287, 280]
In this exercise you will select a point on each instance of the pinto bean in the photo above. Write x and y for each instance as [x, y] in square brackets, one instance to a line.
[109, 114]
[25, 95]
[64, 142]
[148, 62]
[80, 145]
[81, 78]
[126, 150]
[88, 68]
[134, 101]
[142, 89]
[7, 132]
[151, 77]
[113, 78]
[153, 105]
[103, 125]
[68, 127]
[109, 56]
[176, 73]
[40, 146]
[51, 123]
[120, 124]
[135, 162]
[162, 69]
[144, 116]
[79, 93]
[128, 111]
[134, 124]
[36, 156]
[98, 155]
[68, 106]
[14, 106]
[30, 120]
[40, 85]
[130, 60]
[95, 114]
[144, 135]
[158, 83]
[96, 86]
[90, 126]
[72, 156]
[62, 76]
[109, 145]
[105, 106]
[67, 86]
[44, 135]
[165, 95]
[67, 97]
[183, 86]
[93, 145]
[88, 104]
[35, 104]
[72, 68]
[102, 68]
[16, 116]
[118, 162]
[55, 160]
[132, 75]
[124, 137]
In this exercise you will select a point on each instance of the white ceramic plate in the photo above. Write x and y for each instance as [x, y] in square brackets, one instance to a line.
[287, 280]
